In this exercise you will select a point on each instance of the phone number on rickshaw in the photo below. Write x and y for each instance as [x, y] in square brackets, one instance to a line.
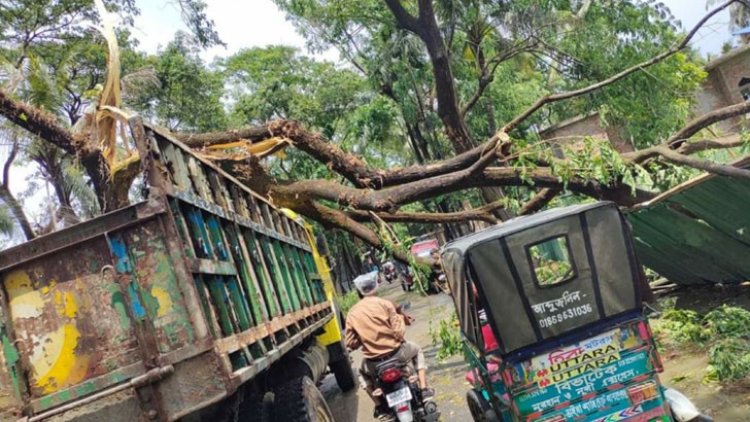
[566, 314]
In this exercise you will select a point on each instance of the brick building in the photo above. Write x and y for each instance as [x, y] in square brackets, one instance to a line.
[728, 83]
[573, 130]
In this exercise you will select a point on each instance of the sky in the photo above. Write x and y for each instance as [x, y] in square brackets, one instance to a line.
[258, 23]
[240, 24]
[712, 35]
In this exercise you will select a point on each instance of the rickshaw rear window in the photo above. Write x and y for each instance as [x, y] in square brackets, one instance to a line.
[551, 261]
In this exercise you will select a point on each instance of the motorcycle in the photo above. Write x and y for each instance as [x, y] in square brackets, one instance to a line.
[407, 281]
[398, 382]
[438, 282]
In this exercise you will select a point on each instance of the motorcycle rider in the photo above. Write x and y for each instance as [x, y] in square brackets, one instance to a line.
[378, 327]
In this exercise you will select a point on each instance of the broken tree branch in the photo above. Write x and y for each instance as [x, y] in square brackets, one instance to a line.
[701, 122]
[484, 213]
[539, 201]
[705, 165]
[200, 140]
[38, 122]
[679, 142]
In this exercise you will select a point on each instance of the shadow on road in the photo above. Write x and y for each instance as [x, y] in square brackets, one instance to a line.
[344, 406]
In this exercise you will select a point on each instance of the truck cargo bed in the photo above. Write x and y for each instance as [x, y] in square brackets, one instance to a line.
[159, 309]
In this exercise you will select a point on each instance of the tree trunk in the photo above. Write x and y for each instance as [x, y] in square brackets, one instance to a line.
[17, 210]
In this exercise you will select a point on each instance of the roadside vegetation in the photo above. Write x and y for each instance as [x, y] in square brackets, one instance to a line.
[446, 337]
[723, 333]
[348, 300]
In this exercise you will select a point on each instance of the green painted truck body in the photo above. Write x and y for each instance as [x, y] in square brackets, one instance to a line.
[159, 310]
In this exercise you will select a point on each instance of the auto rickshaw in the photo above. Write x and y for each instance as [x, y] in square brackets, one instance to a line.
[551, 309]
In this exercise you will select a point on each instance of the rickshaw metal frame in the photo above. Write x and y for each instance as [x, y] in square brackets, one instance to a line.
[605, 316]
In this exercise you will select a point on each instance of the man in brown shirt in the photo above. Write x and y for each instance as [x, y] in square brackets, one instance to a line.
[375, 325]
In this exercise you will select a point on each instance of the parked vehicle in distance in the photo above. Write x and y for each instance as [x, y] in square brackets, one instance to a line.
[424, 248]
[194, 304]
[551, 311]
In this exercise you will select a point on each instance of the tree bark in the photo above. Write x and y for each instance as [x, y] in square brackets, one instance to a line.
[539, 201]
[17, 210]
[426, 28]
[39, 123]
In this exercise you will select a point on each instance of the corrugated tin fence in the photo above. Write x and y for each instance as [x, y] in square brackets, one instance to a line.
[698, 232]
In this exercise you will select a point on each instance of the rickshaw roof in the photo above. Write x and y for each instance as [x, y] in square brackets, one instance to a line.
[515, 225]
[496, 267]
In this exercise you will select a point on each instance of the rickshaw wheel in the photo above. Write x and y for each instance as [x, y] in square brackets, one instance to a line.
[480, 409]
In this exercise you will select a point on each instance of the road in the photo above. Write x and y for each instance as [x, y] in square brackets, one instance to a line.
[446, 377]
[683, 370]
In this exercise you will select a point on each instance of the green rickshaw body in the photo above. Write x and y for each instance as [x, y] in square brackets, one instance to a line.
[551, 311]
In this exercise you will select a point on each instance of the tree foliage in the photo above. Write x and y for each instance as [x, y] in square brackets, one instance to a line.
[464, 85]
[183, 94]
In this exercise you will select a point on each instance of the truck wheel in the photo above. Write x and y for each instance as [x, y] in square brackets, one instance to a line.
[299, 400]
[256, 409]
[342, 370]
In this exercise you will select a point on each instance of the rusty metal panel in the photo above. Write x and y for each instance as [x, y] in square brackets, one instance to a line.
[11, 378]
[195, 383]
[142, 252]
[205, 278]
[69, 316]
[120, 407]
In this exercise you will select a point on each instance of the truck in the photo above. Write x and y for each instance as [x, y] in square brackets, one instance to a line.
[202, 301]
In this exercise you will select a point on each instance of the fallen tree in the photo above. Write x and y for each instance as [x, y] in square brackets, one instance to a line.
[366, 191]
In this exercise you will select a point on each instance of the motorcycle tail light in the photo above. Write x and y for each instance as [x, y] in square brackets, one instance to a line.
[643, 392]
[390, 375]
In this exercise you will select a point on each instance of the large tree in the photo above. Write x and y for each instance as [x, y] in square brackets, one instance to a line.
[53, 60]
[500, 151]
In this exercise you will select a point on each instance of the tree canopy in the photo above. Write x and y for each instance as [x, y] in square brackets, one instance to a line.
[434, 117]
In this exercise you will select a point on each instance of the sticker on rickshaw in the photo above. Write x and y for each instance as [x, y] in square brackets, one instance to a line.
[561, 364]
[622, 415]
[619, 372]
[594, 404]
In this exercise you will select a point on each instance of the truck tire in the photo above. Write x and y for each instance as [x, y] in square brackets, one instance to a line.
[256, 409]
[299, 400]
[342, 370]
